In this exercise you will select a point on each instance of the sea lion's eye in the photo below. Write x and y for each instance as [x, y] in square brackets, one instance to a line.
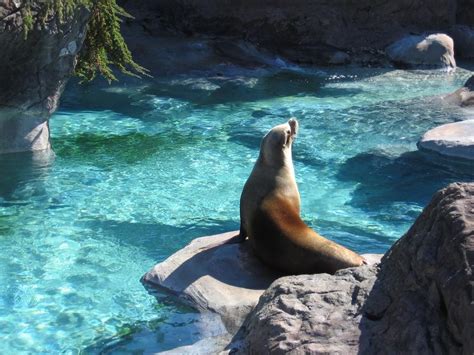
[288, 132]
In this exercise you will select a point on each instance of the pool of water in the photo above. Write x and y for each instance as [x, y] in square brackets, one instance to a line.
[140, 169]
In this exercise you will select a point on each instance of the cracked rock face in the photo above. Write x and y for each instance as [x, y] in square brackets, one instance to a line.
[419, 300]
[33, 74]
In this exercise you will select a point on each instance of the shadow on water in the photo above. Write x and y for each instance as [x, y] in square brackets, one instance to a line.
[125, 99]
[22, 175]
[412, 177]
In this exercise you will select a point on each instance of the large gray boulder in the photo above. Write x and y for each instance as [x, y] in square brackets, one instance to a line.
[310, 314]
[419, 300]
[450, 140]
[424, 291]
[421, 51]
[33, 73]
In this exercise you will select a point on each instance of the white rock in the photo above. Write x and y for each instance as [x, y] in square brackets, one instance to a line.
[436, 50]
[452, 140]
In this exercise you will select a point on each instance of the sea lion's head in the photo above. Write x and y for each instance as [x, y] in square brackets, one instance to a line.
[276, 145]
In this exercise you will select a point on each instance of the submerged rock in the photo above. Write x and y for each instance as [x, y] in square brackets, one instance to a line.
[33, 74]
[418, 300]
[432, 51]
[451, 140]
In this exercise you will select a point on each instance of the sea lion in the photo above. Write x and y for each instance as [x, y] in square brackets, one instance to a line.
[270, 213]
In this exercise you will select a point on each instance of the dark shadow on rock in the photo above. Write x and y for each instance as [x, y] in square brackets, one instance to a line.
[410, 177]
[20, 170]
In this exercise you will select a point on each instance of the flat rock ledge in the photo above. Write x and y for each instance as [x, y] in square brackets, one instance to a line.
[454, 140]
[211, 274]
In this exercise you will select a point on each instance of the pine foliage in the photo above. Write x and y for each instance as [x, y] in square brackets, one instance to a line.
[104, 46]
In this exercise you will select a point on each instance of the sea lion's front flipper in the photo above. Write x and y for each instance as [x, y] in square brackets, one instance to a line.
[239, 238]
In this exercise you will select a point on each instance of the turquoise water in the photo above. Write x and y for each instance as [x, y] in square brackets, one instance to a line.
[141, 169]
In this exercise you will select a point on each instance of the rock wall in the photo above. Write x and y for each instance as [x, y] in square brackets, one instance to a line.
[317, 26]
[342, 24]
[465, 12]
[33, 73]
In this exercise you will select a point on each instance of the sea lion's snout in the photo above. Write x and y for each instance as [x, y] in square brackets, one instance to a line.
[293, 126]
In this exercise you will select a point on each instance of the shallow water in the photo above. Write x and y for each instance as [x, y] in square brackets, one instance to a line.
[141, 169]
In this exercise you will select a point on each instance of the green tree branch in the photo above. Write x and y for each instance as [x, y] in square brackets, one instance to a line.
[104, 46]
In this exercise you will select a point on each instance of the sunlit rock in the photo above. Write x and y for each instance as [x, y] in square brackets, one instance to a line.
[450, 140]
[211, 275]
[432, 51]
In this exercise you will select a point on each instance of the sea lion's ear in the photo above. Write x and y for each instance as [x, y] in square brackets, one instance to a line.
[293, 125]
